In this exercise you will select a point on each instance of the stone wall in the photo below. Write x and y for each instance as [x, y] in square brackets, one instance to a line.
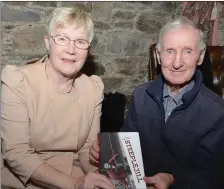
[123, 33]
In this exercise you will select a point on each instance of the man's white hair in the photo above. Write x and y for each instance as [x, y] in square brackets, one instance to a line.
[178, 23]
[70, 16]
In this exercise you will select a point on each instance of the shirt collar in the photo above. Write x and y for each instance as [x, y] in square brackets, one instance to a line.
[178, 97]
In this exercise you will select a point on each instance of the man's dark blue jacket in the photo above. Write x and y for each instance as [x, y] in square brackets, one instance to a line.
[190, 144]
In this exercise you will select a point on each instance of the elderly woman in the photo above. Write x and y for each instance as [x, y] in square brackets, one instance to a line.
[51, 112]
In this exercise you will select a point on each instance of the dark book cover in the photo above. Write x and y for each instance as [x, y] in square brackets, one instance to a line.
[121, 159]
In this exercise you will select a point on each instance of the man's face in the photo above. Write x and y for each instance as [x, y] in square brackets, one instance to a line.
[180, 54]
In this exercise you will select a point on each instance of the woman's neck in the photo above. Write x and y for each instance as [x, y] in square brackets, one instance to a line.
[56, 80]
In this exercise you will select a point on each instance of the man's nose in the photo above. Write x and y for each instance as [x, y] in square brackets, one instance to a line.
[178, 61]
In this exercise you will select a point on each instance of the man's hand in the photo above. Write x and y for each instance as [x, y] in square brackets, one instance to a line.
[94, 152]
[159, 181]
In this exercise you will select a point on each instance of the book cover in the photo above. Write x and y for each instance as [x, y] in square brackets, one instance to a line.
[121, 159]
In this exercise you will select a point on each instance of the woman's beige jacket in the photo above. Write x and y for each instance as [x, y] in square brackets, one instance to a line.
[40, 125]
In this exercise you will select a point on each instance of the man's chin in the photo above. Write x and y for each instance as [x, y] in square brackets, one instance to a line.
[177, 82]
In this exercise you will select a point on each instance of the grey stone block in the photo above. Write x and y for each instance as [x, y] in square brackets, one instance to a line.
[166, 6]
[147, 25]
[112, 83]
[126, 44]
[123, 25]
[16, 3]
[31, 38]
[101, 25]
[101, 10]
[45, 3]
[87, 6]
[123, 15]
[11, 15]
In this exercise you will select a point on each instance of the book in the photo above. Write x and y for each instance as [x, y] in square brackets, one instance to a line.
[121, 159]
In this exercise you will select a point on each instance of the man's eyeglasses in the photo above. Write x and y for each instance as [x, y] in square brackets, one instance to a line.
[64, 41]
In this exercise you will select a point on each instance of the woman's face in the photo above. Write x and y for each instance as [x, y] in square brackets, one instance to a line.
[67, 60]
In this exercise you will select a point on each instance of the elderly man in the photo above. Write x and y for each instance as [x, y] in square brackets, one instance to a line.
[180, 121]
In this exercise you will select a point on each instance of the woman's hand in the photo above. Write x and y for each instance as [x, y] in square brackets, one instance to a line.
[159, 181]
[94, 181]
[94, 152]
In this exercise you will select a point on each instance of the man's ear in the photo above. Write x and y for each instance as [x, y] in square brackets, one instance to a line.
[201, 56]
[158, 56]
[47, 42]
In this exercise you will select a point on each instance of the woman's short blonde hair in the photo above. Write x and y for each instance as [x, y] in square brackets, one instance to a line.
[72, 16]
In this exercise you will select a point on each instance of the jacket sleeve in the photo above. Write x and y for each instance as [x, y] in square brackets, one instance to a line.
[130, 123]
[16, 148]
[95, 127]
[219, 158]
[208, 161]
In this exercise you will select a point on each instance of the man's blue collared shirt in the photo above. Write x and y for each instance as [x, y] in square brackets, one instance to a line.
[170, 103]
